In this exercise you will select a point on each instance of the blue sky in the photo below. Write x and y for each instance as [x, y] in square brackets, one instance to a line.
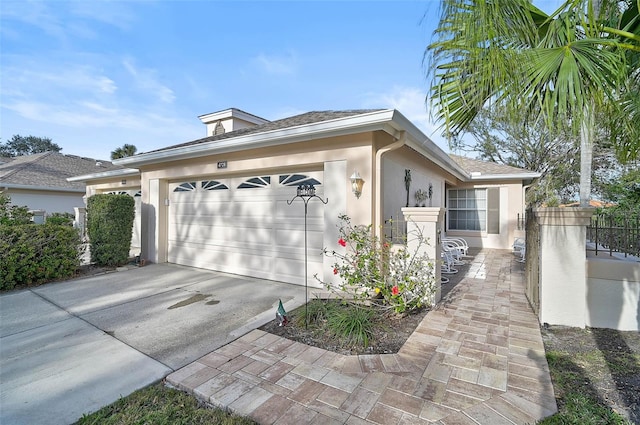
[94, 75]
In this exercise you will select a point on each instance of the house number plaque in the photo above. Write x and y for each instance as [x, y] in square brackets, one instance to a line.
[222, 164]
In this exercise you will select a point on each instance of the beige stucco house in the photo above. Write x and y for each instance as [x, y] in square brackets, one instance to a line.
[221, 202]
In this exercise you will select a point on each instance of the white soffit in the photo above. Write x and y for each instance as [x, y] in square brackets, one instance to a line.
[125, 172]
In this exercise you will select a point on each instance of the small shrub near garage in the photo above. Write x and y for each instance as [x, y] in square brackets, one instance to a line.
[33, 254]
[109, 227]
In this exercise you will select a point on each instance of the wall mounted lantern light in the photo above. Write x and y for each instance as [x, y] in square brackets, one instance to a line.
[356, 184]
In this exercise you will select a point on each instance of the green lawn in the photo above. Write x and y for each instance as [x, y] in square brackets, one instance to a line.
[157, 405]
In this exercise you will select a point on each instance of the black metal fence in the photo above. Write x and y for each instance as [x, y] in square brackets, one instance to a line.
[614, 233]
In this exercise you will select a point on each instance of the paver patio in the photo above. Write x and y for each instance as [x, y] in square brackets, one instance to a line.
[477, 358]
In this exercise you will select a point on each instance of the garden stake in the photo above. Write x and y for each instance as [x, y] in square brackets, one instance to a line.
[306, 192]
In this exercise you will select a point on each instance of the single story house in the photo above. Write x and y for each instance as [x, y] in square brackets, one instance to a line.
[39, 181]
[224, 202]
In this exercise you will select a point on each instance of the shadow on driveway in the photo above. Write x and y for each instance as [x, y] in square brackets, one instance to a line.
[70, 348]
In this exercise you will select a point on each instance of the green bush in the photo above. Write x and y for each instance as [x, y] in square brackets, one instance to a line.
[109, 227]
[63, 219]
[12, 214]
[33, 254]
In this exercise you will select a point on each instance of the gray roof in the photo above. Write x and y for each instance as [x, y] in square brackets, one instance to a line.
[297, 120]
[50, 170]
[471, 165]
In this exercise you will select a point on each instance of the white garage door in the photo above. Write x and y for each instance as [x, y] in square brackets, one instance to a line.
[244, 226]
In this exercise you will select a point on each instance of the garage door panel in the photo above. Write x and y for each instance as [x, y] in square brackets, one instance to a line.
[315, 209]
[244, 237]
[295, 238]
[251, 232]
[292, 271]
[219, 224]
[235, 263]
[228, 209]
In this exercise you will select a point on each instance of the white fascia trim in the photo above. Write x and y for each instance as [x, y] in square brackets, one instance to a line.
[421, 143]
[125, 172]
[337, 127]
[232, 113]
[514, 176]
[43, 188]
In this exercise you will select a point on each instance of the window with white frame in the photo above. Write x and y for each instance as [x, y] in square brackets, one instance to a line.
[474, 209]
[467, 209]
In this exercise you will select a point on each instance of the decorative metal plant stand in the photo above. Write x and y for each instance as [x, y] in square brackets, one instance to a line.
[306, 192]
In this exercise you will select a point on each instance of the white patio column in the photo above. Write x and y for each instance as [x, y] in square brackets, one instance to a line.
[80, 221]
[563, 256]
[426, 221]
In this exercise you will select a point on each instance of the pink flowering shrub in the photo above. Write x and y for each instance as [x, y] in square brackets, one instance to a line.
[368, 270]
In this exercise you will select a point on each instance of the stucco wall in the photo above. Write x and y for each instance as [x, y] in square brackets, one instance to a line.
[511, 203]
[394, 192]
[613, 294]
[48, 201]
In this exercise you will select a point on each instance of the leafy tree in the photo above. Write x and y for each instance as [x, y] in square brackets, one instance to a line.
[533, 147]
[124, 151]
[20, 145]
[561, 68]
[11, 215]
[625, 190]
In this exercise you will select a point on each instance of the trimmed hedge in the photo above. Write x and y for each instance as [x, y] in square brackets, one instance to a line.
[33, 254]
[109, 227]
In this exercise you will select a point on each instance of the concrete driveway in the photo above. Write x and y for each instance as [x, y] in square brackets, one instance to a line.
[69, 348]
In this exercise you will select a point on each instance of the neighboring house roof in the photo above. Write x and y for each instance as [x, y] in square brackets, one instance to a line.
[486, 170]
[49, 171]
[592, 203]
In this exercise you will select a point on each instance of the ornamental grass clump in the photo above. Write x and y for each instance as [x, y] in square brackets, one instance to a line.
[368, 270]
[354, 324]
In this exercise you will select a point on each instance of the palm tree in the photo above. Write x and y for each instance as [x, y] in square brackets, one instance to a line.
[559, 68]
[124, 151]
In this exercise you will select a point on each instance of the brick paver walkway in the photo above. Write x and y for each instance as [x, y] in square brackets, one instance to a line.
[476, 359]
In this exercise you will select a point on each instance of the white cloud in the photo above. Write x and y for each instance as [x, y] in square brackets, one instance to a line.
[114, 13]
[89, 110]
[54, 20]
[277, 65]
[29, 79]
[410, 101]
[147, 80]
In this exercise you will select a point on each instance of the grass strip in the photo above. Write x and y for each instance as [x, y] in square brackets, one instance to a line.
[160, 405]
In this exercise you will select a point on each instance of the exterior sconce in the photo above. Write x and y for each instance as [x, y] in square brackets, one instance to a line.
[356, 184]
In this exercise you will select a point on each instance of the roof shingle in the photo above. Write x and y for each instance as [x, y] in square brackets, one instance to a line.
[297, 120]
[471, 165]
[50, 169]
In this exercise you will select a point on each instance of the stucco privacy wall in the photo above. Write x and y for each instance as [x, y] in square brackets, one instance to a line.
[511, 203]
[613, 294]
[562, 265]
